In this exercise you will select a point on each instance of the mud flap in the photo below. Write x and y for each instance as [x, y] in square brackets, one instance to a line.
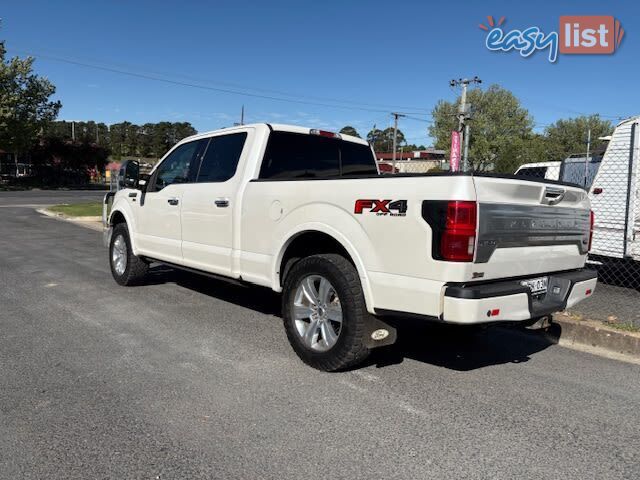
[379, 333]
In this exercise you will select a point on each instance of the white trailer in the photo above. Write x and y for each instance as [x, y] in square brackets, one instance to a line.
[615, 197]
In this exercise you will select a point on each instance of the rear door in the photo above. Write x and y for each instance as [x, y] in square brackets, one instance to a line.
[159, 233]
[209, 205]
[529, 227]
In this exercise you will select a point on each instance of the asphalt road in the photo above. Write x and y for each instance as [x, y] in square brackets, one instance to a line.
[193, 378]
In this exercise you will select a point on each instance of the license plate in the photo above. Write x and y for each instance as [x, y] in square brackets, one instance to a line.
[536, 285]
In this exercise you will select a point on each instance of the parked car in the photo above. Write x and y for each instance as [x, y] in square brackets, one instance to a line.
[305, 212]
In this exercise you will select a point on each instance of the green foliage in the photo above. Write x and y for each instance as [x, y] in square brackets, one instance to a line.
[502, 136]
[125, 139]
[382, 140]
[349, 130]
[412, 147]
[569, 136]
[500, 126]
[25, 105]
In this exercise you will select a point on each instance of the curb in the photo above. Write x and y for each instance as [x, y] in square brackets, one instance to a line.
[597, 337]
[91, 222]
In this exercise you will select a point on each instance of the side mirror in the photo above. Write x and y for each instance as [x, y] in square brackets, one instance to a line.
[143, 181]
[129, 175]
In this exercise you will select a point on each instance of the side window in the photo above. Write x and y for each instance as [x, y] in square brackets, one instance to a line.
[175, 168]
[220, 160]
[294, 155]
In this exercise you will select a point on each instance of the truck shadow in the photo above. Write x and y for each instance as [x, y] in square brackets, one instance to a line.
[464, 348]
[452, 347]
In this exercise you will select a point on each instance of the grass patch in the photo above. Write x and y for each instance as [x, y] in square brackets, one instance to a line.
[93, 209]
[626, 327]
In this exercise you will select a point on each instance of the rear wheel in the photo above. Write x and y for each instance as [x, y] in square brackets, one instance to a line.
[324, 312]
[127, 269]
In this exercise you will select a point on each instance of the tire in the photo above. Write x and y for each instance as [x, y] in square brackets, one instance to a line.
[134, 270]
[320, 349]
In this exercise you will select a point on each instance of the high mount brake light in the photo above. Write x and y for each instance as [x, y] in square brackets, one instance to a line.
[324, 133]
[458, 239]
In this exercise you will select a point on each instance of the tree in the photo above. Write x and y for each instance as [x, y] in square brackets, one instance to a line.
[382, 140]
[25, 105]
[349, 130]
[500, 129]
[568, 136]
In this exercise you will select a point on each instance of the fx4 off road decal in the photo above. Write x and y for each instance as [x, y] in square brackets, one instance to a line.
[393, 208]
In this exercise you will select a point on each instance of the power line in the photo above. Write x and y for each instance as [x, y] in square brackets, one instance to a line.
[238, 90]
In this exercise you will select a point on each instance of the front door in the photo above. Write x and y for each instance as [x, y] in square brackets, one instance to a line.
[209, 205]
[159, 232]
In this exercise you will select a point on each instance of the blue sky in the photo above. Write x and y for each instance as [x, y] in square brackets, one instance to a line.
[372, 56]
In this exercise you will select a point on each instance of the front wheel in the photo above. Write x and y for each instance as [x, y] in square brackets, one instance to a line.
[127, 269]
[324, 312]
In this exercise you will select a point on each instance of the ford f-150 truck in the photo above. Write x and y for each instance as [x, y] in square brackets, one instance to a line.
[306, 212]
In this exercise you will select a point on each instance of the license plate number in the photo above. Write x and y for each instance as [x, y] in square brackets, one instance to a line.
[536, 285]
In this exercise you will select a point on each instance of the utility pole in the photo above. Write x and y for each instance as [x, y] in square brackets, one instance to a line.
[586, 160]
[73, 131]
[395, 137]
[464, 116]
[242, 116]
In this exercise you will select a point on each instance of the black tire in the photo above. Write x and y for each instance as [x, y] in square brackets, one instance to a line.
[136, 269]
[350, 348]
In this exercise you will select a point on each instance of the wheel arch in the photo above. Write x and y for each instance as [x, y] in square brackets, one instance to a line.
[122, 215]
[316, 239]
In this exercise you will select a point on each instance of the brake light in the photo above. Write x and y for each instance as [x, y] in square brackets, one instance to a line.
[324, 133]
[458, 240]
[592, 221]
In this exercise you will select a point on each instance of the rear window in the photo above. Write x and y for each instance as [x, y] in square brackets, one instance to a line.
[296, 155]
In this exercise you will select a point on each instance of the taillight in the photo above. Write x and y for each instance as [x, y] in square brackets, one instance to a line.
[458, 240]
[592, 221]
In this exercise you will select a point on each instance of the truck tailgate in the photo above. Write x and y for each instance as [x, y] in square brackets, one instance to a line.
[529, 227]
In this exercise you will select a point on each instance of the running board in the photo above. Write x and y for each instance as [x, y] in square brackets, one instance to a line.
[216, 276]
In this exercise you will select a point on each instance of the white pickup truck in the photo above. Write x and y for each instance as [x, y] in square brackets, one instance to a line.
[305, 212]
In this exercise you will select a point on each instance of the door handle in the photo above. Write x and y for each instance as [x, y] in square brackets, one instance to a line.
[172, 201]
[222, 202]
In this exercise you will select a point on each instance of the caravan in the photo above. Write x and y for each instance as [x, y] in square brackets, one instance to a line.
[614, 195]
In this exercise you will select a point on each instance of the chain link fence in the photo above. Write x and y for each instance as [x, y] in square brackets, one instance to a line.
[611, 177]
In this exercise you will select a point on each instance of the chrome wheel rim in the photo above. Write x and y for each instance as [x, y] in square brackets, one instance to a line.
[119, 255]
[317, 313]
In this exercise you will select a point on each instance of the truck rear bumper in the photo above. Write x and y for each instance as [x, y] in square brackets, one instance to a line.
[472, 303]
